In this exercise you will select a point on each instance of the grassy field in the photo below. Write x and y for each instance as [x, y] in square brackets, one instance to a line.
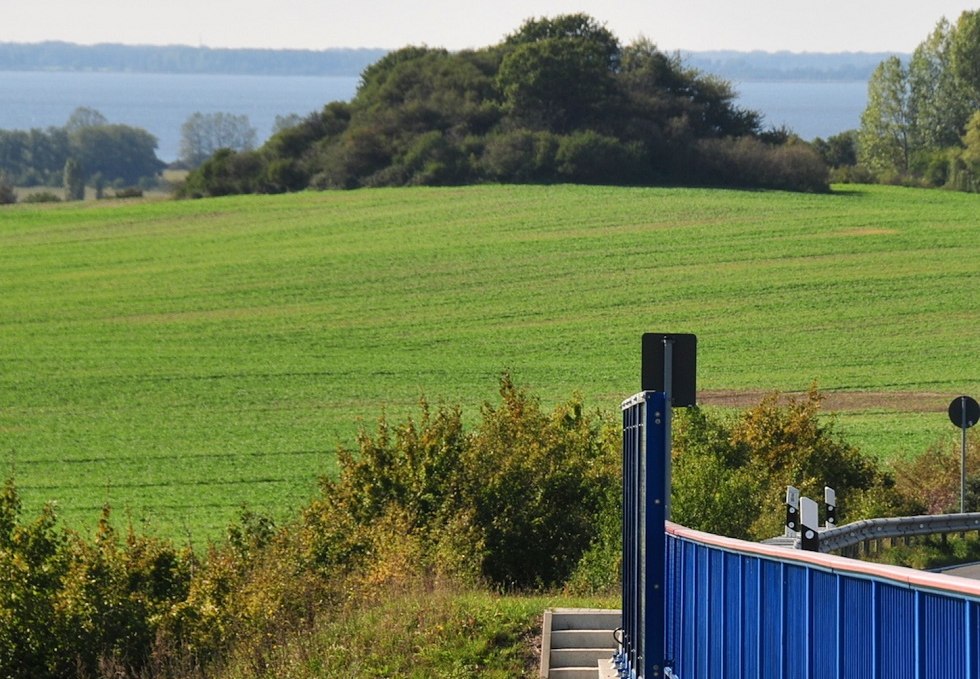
[179, 359]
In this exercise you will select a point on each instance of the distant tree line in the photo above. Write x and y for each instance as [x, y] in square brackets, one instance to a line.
[63, 56]
[922, 121]
[559, 100]
[103, 153]
[795, 66]
[88, 150]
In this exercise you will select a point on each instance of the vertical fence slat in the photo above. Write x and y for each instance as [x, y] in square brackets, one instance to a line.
[857, 629]
[823, 625]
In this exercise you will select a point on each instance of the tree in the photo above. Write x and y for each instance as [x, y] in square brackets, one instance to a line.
[839, 150]
[204, 133]
[83, 117]
[888, 135]
[119, 153]
[74, 180]
[285, 122]
[936, 95]
[558, 73]
[965, 57]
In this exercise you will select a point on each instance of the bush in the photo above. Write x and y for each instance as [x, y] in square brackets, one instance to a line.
[748, 162]
[516, 502]
[930, 482]
[7, 194]
[42, 197]
[227, 172]
[520, 156]
[70, 606]
[129, 192]
[730, 475]
[591, 158]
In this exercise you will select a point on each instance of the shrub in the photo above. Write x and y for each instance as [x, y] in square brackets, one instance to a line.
[516, 502]
[930, 482]
[42, 197]
[129, 192]
[520, 156]
[748, 162]
[69, 606]
[7, 194]
[730, 475]
[538, 482]
[592, 158]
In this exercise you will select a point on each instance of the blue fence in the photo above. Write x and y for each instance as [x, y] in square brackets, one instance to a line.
[740, 609]
[697, 605]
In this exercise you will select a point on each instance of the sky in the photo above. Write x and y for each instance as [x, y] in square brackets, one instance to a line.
[696, 25]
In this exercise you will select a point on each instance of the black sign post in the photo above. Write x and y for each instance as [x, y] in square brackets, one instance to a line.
[964, 412]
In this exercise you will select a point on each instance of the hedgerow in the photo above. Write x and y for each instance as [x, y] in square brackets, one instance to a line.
[526, 499]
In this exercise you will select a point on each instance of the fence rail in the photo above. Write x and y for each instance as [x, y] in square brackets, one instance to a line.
[845, 538]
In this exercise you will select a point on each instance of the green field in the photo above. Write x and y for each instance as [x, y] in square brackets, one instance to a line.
[179, 359]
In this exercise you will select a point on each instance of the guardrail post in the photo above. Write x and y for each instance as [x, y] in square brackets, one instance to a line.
[792, 511]
[830, 499]
[809, 520]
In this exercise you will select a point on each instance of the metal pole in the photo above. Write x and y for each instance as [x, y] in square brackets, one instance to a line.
[668, 390]
[963, 457]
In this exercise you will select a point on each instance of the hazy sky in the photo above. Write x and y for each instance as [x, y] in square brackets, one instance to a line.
[771, 25]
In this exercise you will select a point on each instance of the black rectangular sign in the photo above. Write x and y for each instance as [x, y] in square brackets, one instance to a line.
[684, 350]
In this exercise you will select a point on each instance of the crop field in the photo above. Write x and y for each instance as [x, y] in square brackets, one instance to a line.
[178, 360]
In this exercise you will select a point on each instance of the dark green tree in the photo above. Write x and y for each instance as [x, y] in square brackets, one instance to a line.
[119, 153]
[558, 74]
[965, 57]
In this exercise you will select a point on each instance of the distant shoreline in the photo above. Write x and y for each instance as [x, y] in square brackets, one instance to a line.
[184, 59]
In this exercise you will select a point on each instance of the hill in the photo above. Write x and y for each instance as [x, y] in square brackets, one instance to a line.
[178, 359]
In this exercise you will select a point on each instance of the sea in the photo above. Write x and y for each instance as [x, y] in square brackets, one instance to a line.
[161, 103]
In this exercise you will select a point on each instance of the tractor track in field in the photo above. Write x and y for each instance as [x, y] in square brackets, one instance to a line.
[836, 401]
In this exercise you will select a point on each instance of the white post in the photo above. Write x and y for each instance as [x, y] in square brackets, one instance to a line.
[809, 520]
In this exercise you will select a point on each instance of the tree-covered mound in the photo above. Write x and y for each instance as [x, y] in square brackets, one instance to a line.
[559, 100]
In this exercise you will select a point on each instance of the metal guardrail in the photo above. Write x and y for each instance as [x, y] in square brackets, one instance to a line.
[841, 538]
[834, 539]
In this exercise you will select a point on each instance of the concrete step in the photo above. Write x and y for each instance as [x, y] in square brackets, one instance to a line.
[583, 638]
[579, 618]
[574, 672]
[579, 657]
[575, 640]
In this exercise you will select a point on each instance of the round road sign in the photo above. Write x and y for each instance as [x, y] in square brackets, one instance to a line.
[964, 411]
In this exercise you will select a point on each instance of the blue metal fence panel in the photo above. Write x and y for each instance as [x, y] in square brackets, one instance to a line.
[857, 630]
[735, 615]
[771, 619]
[723, 609]
[732, 646]
[751, 611]
[796, 618]
[824, 622]
[897, 653]
[943, 628]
